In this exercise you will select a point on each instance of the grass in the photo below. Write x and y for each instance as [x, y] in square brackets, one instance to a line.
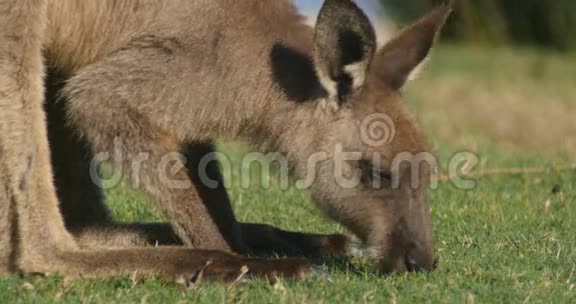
[514, 100]
[510, 239]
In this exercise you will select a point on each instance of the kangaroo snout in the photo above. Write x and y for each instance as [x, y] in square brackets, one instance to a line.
[408, 262]
[415, 264]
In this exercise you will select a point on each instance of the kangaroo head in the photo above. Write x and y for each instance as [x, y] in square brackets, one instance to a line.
[378, 173]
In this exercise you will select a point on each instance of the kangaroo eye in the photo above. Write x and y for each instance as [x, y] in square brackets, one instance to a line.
[374, 176]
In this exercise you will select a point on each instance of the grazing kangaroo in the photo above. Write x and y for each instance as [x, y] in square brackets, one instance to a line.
[77, 77]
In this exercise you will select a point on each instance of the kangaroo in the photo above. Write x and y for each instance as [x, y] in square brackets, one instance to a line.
[81, 78]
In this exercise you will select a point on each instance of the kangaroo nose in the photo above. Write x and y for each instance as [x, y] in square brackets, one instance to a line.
[412, 265]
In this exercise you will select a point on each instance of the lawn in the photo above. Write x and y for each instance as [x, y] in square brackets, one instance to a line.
[509, 239]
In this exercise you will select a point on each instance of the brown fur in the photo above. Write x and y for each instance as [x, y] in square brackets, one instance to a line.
[168, 76]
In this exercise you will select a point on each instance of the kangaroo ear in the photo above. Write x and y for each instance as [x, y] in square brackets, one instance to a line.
[401, 57]
[344, 45]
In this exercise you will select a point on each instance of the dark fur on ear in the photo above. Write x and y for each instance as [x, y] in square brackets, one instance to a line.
[294, 72]
[403, 54]
[344, 37]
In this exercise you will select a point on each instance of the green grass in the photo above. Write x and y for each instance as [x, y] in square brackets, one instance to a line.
[496, 243]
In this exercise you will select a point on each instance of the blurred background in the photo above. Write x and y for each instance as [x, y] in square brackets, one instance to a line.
[502, 79]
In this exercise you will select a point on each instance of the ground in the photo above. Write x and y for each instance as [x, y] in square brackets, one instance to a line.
[510, 239]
